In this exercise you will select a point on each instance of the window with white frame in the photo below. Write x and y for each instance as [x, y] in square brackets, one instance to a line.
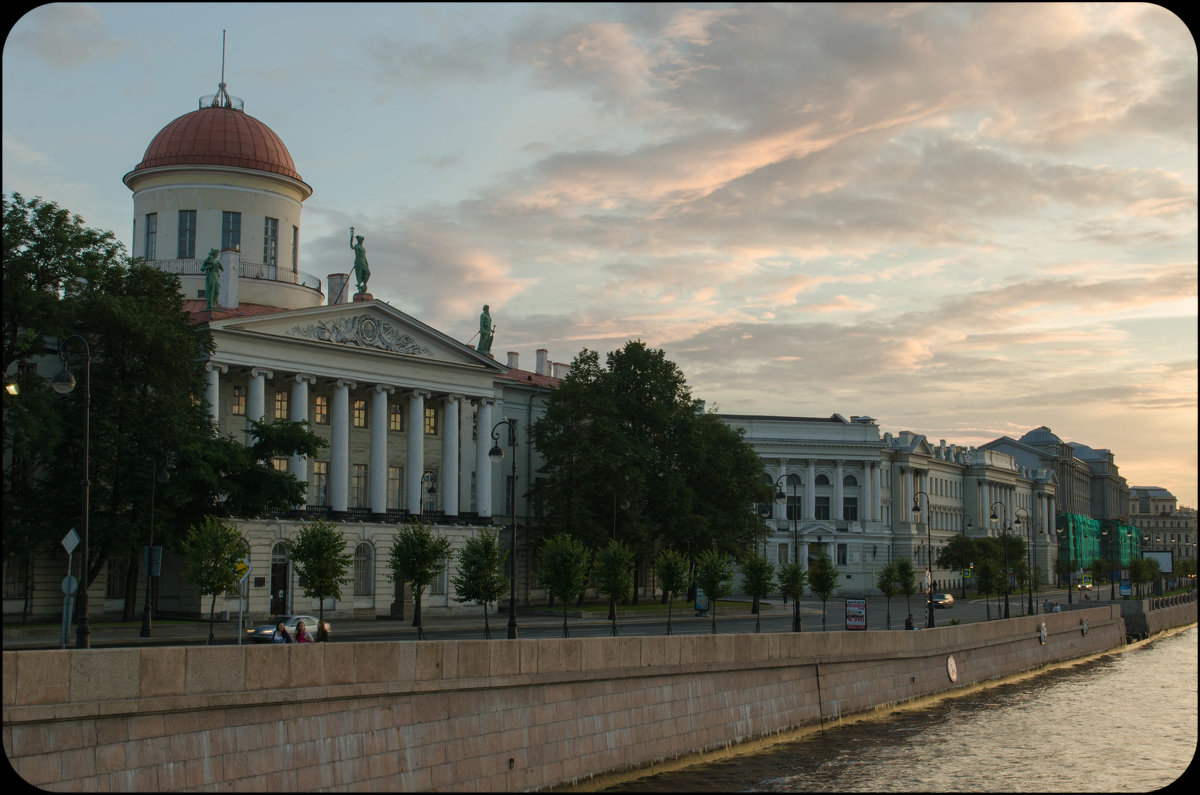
[364, 570]
[395, 488]
[281, 404]
[151, 240]
[271, 241]
[187, 234]
[321, 410]
[358, 414]
[358, 484]
[319, 493]
[231, 230]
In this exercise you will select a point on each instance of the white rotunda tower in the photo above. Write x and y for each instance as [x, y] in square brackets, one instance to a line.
[217, 178]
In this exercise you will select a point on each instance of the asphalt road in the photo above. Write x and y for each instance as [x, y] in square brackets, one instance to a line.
[544, 623]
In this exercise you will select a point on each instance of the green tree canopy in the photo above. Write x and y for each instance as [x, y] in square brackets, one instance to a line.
[792, 579]
[614, 574]
[888, 586]
[714, 573]
[211, 551]
[563, 568]
[319, 553]
[671, 569]
[758, 580]
[822, 580]
[480, 578]
[418, 555]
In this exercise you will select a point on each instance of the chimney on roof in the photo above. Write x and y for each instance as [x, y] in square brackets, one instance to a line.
[512, 360]
[561, 369]
[336, 282]
[541, 368]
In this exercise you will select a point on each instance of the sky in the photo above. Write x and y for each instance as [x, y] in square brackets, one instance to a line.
[966, 221]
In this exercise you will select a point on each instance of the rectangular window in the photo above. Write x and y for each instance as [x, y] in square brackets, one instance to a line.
[508, 495]
[359, 414]
[151, 246]
[280, 464]
[841, 554]
[395, 417]
[438, 586]
[822, 508]
[271, 241]
[793, 507]
[358, 485]
[431, 422]
[850, 508]
[281, 405]
[231, 230]
[239, 401]
[321, 410]
[187, 234]
[115, 586]
[319, 493]
[395, 488]
[782, 554]
[295, 249]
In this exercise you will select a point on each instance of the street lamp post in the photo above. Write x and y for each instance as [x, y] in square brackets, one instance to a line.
[1070, 553]
[63, 383]
[1113, 535]
[157, 476]
[1029, 553]
[916, 509]
[496, 454]
[1004, 529]
[967, 524]
[781, 498]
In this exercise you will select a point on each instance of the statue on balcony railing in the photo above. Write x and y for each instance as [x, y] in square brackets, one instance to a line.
[212, 268]
[362, 272]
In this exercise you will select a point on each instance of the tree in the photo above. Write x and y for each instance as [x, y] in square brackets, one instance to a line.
[631, 431]
[888, 586]
[758, 580]
[211, 553]
[906, 580]
[989, 579]
[563, 566]
[822, 580]
[319, 552]
[714, 573]
[480, 578]
[614, 574]
[671, 569]
[417, 557]
[792, 579]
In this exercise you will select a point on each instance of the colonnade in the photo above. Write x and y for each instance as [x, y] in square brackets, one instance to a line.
[457, 469]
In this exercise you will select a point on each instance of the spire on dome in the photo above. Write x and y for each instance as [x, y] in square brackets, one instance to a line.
[221, 99]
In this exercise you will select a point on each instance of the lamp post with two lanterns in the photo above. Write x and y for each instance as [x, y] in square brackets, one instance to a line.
[496, 455]
[916, 509]
[1004, 529]
[1029, 553]
[63, 383]
[781, 498]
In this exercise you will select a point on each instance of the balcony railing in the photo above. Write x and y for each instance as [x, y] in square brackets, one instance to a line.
[246, 270]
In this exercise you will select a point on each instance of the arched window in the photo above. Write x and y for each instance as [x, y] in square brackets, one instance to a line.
[364, 570]
[822, 480]
[849, 480]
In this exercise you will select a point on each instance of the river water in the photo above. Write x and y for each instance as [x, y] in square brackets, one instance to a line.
[1124, 722]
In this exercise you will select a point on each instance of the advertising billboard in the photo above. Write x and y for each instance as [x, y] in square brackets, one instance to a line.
[1164, 560]
[856, 613]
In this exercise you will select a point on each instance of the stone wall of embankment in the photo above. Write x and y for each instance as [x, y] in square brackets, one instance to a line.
[476, 715]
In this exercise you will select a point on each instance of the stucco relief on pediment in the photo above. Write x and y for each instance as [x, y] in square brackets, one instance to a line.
[363, 331]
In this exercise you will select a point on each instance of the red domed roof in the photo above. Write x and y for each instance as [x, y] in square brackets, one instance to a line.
[219, 136]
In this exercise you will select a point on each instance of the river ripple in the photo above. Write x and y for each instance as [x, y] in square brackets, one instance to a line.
[1124, 722]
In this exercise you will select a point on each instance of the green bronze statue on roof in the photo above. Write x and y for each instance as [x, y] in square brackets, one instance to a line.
[362, 272]
[212, 285]
[486, 330]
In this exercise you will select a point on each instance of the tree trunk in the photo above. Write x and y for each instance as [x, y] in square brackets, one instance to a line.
[417, 614]
[132, 572]
[212, 613]
[566, 634]
[487, 630]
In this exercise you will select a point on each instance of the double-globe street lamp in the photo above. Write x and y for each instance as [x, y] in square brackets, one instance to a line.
[496, 455]
[916, 509]
[781, 498]
[63, 383]
[1004, 529]
[1029, 552]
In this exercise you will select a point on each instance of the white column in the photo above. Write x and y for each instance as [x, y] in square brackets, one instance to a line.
[450, 475]
[415, 467]
[256, 397]
[299, 412]
[838, 477]
[810, 491]
[377, 471]
[483, 465]
[213, 393]
[339, 445]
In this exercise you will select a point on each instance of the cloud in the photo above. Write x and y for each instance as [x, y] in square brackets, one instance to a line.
[66, 36]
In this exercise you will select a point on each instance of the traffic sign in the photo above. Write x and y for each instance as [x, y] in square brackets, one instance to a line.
[69, 584]
[70, 541]
[243, 568]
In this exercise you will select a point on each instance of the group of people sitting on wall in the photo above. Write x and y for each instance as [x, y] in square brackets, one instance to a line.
[281, 635]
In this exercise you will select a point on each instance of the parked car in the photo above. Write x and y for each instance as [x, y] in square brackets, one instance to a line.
[263, 632]
[943, 600]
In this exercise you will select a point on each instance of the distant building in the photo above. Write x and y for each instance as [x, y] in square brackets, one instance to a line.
[1165, 525]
